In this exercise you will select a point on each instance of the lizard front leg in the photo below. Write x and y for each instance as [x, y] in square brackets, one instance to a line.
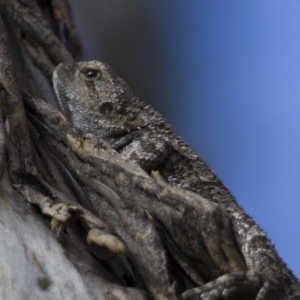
[148, 151]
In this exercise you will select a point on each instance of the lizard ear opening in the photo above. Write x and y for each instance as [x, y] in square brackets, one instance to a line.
[105, 108]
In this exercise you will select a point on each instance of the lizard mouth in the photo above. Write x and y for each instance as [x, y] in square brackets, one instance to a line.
[58, 88]
[63, 92]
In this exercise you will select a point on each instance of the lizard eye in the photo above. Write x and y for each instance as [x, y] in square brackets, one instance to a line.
[91, 74]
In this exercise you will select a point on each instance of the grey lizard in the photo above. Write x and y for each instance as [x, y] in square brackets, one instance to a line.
[98, 102]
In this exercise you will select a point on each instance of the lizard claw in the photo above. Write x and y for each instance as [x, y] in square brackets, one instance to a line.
[249, 285]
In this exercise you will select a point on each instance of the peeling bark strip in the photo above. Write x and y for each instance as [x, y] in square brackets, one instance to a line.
[104, 227]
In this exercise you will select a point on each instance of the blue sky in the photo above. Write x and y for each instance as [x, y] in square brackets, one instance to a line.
[229, 82]
[243, 58]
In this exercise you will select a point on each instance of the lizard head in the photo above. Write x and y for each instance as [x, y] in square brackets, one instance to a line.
[88, 86]
[91, 95]
[93, 98]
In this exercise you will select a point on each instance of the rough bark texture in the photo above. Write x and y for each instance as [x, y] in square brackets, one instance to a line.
[34, 37]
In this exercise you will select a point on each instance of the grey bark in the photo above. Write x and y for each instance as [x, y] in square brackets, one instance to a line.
[34, 264]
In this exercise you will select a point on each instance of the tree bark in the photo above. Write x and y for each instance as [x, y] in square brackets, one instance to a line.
[34, 264]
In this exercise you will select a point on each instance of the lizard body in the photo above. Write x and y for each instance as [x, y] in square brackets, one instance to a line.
[98, 102]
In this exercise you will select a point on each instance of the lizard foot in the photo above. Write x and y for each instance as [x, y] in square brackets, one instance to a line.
[243, 285]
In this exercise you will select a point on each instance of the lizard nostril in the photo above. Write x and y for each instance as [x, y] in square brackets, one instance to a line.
[69, 67]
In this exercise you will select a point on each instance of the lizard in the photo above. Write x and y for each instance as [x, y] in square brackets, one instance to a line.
[98, 102]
